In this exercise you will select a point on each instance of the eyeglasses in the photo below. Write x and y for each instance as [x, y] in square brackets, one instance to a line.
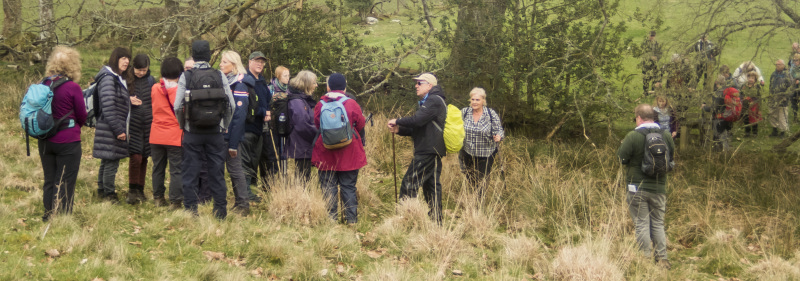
[421, 82]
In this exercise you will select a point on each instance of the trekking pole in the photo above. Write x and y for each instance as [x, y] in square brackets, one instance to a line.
[394, 171]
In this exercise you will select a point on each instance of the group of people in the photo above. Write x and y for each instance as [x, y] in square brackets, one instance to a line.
[199, 120]
[737, 96]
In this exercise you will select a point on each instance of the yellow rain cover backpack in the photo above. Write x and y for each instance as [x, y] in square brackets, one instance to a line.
[453, 129]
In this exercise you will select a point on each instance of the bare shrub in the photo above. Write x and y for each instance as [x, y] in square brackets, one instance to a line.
[584, 263]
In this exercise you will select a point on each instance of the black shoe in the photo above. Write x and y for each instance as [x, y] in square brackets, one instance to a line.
[111, 197]
[140, 193]
[255, 199]
[242, 211]
[133, 197]
[175, 205]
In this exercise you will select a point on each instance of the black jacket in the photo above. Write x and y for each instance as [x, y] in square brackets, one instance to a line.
[141, 116]
[427, 124]
[113, 119]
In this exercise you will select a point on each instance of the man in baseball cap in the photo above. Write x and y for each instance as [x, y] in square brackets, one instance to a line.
[425, 128]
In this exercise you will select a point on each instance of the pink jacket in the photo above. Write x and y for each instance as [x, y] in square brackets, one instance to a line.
[349, 158]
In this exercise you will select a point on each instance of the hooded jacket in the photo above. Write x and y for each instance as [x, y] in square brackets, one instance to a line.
[348, 158]
[426, 126]
[114, 117]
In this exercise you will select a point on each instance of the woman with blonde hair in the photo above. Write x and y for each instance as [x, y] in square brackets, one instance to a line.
[301, 119]
[61, 153]
[241, 86]
[483, 133]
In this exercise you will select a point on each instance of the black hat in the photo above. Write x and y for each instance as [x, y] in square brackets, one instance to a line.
[337, 82]
[201, 50]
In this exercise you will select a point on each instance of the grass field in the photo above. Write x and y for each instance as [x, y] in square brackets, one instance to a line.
[554, 210]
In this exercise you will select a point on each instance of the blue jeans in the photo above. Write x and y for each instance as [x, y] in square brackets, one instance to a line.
[647, 211]
[343, 184]
[207, 150]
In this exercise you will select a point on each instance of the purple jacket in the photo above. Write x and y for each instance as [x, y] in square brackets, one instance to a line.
[66, 97]
[301, 118]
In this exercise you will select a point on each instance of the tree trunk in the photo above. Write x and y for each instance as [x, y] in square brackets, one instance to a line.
[47, 34]
[12, 22]
[782, 146]
[477, 44]
[170, 40]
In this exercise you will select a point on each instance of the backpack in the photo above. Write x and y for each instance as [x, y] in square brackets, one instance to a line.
[91, 97]
[733, 106]
[36, 112]
[206, 100]
[252, 105]
[656, 161]
[280, 116]
[334, 124]
[453, 129]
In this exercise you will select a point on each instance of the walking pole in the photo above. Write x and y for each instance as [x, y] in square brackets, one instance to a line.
[394, 171]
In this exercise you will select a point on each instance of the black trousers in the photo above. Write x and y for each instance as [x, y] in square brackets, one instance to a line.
[60, 164]
[213, 147]
[268, 163]
[340, 185]
[163, 154]
[303, 168]
[425, 170]
[477, 170]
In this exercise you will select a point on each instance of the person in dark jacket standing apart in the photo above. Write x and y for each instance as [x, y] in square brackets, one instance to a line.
[301, 118]
[646, 196]
[165, 136]
[338, 168]
[111, 132]
[426, 128]
[141, 118]
[61, 153]
[254, 127]
[780, 84]
[202, 133]
[241, 86]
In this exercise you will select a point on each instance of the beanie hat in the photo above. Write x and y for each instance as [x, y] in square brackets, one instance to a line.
[201, 50]
[337, 82]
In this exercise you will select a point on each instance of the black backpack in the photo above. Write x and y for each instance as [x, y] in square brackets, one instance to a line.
[207, 101]
[280, 116]
[657, 160]
[252, 99]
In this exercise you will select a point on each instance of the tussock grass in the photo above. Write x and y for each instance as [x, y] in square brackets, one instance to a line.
[588, 261]
[773, 269]
[298, 202]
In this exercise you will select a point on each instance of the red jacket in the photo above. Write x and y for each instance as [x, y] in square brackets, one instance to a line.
[165, 129]
[349, 158]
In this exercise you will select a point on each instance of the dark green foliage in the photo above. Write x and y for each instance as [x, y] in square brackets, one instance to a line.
[543, 62]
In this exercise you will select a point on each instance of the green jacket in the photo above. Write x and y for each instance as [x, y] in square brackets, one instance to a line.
[631, 153]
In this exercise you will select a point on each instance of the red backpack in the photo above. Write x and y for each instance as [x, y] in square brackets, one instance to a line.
[733, 105]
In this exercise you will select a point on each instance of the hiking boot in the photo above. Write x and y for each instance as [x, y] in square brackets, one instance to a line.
[242, 211]
[140, 193]
[132, 197]
[160, 202]
[664, 264]
[255, 199]
[111, 197]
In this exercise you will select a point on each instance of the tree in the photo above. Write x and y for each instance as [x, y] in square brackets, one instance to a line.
[170, 40]
[12, 20]
[47, 26]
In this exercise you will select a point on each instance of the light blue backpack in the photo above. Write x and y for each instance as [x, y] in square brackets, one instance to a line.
[334, 125]
[36, 112]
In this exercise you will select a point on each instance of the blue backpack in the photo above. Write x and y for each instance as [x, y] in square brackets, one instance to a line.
[334, 125]
[36, 112]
